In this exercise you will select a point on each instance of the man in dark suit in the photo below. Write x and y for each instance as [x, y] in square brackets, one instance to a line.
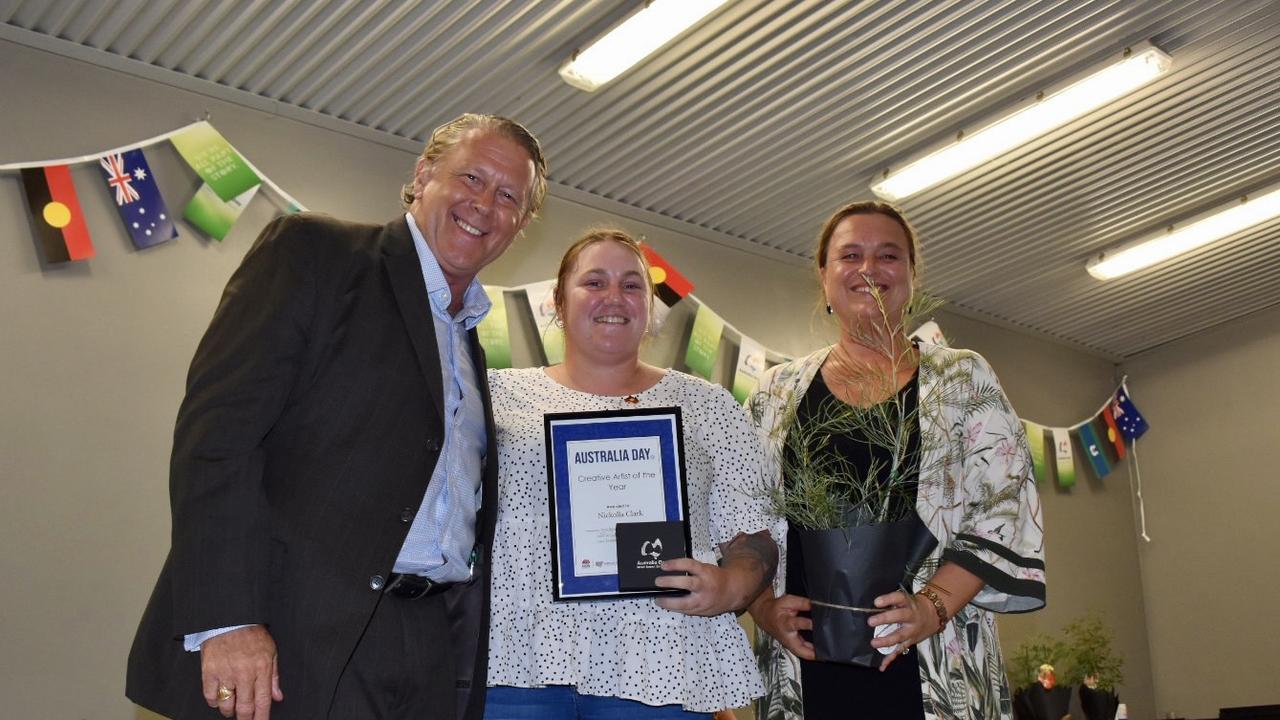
[333, 478]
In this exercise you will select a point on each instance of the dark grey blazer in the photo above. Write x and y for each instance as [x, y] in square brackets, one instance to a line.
[311, 424]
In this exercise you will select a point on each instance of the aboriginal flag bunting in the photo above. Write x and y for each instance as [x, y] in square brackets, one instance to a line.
[55, 213]
[668, 284]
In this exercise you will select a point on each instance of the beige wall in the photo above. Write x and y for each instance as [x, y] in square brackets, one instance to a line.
[94, 357]
[1209, 468]
[1090, 541]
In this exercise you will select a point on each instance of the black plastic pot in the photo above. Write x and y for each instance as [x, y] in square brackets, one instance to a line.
[851, 567]
[1098, 704]
[1036, 703]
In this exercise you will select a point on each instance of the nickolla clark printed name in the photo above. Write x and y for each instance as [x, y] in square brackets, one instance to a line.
[619, 479]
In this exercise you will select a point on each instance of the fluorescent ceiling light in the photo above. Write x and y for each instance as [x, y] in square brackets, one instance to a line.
[1193, 234]
[1050, 110]
[633, 40]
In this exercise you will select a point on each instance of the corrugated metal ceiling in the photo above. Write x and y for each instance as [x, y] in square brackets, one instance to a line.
[758, 122]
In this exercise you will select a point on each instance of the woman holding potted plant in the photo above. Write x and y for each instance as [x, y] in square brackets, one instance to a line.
[891, 464]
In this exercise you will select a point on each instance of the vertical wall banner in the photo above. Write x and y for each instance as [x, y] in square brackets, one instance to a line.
[215, 161]
[138, 200]
[704, 342]
[211, 215]
[494, 335]
[55, 213]
[750, 366]
[542, 302]
[1066, 464]
[1093, 450]
[1035, 440]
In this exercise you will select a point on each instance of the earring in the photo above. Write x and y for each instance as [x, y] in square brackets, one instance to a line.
[558, 321]
[828, 308]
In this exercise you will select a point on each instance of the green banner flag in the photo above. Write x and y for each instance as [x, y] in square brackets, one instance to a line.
[1065, 458]
[495, 338]
[215, 161]
[1035, 439]
[704, 342]
[750, 366]
[208, 213]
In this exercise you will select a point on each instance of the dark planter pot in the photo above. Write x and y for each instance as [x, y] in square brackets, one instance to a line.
[1098, 704]
[851, 567]
[1036, 703]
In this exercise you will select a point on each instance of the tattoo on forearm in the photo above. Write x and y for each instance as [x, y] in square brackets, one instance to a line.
[757, 549]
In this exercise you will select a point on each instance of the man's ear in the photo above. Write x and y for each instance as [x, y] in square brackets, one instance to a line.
[421, 173]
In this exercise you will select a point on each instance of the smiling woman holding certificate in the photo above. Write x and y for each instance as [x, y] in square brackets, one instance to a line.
[630, 442]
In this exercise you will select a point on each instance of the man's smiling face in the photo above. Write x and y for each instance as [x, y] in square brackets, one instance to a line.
[472, 202]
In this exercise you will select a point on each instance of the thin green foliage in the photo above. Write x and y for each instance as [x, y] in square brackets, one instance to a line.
[1036, 650]
[1089, 641]
[823, 490]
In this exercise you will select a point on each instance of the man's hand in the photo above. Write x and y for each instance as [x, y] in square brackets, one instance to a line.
[243, 661]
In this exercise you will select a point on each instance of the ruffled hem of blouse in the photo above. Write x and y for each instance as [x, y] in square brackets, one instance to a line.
[662, 658]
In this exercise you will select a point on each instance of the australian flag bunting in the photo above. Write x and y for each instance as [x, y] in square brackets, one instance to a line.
[1128, 419]
[137, 198]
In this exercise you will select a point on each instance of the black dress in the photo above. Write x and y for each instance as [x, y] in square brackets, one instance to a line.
[835, 690]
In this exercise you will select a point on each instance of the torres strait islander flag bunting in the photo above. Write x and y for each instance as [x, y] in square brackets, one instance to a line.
[1103, 439]
[55, 213]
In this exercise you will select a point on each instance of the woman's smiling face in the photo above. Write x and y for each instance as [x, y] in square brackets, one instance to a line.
[868, 255]
[605, 306]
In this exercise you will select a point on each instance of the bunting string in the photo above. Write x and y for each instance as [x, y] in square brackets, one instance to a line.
[292, 202]
[230, 181]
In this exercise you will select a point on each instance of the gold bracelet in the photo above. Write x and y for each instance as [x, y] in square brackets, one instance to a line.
[938, 606]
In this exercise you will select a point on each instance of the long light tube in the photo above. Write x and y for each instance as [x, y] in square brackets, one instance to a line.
[1075, 99]
[633, 40]
[1194, 234]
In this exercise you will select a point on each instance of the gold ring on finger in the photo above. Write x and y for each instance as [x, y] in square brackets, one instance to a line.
[225, 693]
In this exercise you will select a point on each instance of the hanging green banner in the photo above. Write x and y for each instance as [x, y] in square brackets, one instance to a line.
[209, 214]
[704, 342]
[215, 161]
[495, 338]
[1035, 439]
[542, 304]
[1065, 457]
[750, 366]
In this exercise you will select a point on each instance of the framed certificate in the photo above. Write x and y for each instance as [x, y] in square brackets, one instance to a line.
[606, 469]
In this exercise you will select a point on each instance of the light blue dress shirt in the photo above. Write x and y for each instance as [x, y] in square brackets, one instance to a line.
[443, 532]
[442, 535]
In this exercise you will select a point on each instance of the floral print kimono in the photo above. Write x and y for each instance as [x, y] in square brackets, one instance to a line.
[976, 495]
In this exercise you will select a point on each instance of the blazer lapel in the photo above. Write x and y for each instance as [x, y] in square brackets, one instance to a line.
[404, 270]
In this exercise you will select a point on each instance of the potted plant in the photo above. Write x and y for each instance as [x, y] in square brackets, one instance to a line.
[1094, 666]
[859, 531]
[1033, 670]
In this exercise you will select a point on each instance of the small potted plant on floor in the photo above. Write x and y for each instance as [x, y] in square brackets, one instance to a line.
[1033, 673]
[1095, 666]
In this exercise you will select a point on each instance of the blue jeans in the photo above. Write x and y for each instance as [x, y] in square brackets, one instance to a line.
[564, 702]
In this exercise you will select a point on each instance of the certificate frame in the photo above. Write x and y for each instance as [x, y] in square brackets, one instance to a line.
[601, 435]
